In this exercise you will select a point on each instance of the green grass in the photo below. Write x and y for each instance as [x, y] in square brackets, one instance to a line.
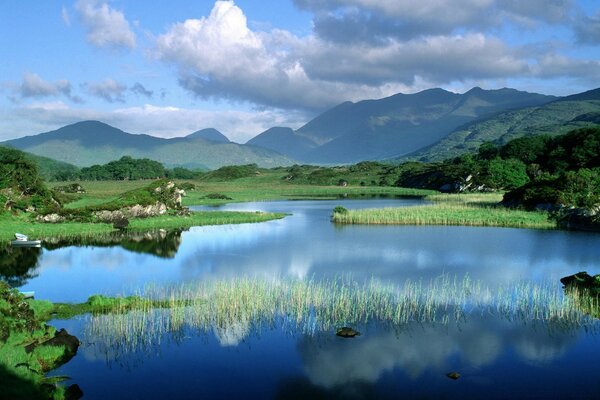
[35, 230]
[308, 307]
[463, 209]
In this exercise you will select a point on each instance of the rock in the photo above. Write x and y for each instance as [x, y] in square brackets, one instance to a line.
[582, 219]
[581, 280]
[347, 332]
[50, 218]
[61, 339]
[73, 392]
[135, 211]
[121, 223]
[453, 375]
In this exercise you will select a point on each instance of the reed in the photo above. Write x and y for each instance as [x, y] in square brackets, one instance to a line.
[447, 213]
[234, 308]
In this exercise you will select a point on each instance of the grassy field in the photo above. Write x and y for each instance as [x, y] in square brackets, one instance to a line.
[266, 186]
[450, 209]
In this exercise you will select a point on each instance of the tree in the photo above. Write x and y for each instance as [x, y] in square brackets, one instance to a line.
[505, 174]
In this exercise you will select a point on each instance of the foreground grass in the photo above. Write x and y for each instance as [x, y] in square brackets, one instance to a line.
[234, 308]
[459, 209]
[10, 224]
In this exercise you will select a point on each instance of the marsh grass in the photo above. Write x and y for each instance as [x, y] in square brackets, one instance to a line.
[447, 214]
[476, 209]
[234, 308]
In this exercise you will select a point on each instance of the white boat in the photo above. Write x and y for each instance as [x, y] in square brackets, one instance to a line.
[23, 241]
[28, 295]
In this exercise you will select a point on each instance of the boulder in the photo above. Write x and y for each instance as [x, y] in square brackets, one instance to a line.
[582, 219]
[581, 280]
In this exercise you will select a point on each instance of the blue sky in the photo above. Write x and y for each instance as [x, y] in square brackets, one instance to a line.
[170, 68]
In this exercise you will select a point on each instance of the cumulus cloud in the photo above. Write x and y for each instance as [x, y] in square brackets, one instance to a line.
[359, 49]
[106, 27]
[220, 56]
[34, 86]
[141, 90]
[108, 90]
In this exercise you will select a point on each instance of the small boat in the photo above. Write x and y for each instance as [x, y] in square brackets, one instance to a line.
[28, 295]
[23, 241]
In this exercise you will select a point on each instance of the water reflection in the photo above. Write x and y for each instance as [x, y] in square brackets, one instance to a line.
[159, 243]
[18, 264]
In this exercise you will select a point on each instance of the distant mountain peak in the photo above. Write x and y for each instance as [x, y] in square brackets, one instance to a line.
[209, 134]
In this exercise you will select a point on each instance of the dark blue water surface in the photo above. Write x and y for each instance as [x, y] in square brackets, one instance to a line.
[497, 358]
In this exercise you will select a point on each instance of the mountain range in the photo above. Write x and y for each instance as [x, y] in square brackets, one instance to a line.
[392, 126]
[91, 142]
[430, 125]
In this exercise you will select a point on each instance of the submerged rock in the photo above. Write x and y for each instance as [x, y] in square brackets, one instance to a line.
[347, 332]
[453, 375]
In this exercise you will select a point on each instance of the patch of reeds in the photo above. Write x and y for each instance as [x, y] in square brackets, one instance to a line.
[243, 305]
[447, 213]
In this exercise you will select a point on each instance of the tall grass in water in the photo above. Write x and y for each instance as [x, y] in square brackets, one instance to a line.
[233, 308]
[455, 213]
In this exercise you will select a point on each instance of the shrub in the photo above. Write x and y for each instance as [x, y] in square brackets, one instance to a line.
[340, 210]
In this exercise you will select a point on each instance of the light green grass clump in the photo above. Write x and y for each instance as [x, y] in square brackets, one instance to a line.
[243, 305]
[451, 209]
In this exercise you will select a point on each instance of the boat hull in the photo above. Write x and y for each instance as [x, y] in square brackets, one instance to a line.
[26, 243]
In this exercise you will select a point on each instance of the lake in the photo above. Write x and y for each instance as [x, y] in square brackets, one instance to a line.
[497, 357]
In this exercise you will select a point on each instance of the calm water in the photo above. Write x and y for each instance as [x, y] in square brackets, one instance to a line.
[496, 358]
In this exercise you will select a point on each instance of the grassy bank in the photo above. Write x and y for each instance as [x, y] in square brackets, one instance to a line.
[23, 224]
[29, 348]
[460, 209]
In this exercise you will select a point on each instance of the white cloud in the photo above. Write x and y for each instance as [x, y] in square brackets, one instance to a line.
[239, 126]
[106, 27]
[33, 86]
[108, 90]
[219, 56]
[64, 13]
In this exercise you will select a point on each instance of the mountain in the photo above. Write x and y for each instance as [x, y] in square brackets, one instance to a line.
[91, 142]
[395, 125]
[284, 141]
[554, 118]
[209, 134]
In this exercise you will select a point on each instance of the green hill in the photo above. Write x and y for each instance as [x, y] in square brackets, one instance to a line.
[91, 142]
[53, 170]
[556, 118]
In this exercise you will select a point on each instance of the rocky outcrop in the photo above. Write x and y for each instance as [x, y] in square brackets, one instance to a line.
[582, 219]
[51, 218]
[136, 211]
[72, 188]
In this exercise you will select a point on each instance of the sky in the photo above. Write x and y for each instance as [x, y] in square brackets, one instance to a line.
[169, 68]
